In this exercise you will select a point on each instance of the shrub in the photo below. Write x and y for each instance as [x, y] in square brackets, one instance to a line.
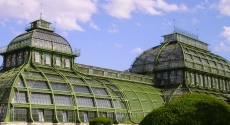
[100, 121]
[190, 109]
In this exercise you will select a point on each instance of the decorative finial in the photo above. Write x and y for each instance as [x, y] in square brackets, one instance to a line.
[174, 24]
[41, 12]
[197, 33]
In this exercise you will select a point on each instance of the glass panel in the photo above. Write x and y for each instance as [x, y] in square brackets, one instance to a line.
[37, 84]
[104, 103]
[70, 116]
[62, 116]
[196, 58]
[3, 110]
[212, 63]
[119, 94]
[219, 65]
[54, 77]
[102, 114]
[40, 98]
[58, 61]
[74, 80]
[99, 91]
[91, 82]
[173, 77]
[85, 102]
[47, 59]
[188, 56]
[13, 60]
[67, 63]
[26, 54]
[117, 104]
[18, 114]
[38, 115]
[20, 83]
[48, 115]
[110, 116]
[20, 58]
[81, 89]
[112, 87]
[83, 116]
[32, 74]
[37, 58]
[63, 100]
[164, 55]
[59, 86]
[179, 76]
[19, 97]
[205, 61]
[120, 117]
[214, 70]
[8, 61]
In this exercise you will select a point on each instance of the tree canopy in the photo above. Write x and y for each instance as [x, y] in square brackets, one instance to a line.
[190, 109]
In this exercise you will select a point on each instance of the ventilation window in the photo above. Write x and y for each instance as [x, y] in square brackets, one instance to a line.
[58, 61]
[47, 59]
[67, 63]
[37, 57]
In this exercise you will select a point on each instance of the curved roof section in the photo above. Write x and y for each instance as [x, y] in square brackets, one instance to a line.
[40, 38]
[55, 89]
[176, 54]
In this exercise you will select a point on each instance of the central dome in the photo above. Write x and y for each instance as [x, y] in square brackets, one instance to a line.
[40, 38]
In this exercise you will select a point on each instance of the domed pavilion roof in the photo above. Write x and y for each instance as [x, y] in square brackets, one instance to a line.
[179, 51]
[39, 34]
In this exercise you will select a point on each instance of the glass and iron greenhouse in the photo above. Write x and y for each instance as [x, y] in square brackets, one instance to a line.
[41, 84]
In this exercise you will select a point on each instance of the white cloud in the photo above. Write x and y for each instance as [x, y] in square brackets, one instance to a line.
[20, 22]
[16, 33]
[147, 6]
[120, 8]
[222, 47]
[2, 23]
[94, 26]
[226, 33]
[195, 21]
[65, 14]
[124, 8]
[118, 45]
[224, 6]
[137, 50]
[113, 28]
[64, 33]
[200, 6]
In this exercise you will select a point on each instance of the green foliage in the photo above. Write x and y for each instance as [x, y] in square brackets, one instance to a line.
[190, 109]
[100, 121]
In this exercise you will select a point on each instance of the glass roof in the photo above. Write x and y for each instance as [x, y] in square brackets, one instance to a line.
[41, 39]
[177, 54]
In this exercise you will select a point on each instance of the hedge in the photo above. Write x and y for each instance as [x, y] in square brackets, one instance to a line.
[190, 109]
[100, 121]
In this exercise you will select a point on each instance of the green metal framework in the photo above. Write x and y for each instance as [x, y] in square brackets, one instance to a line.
[184, 63]
[40, 82]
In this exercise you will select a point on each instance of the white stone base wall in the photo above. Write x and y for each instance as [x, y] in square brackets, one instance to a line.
[37, 123]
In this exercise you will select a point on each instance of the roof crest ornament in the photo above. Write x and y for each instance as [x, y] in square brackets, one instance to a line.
[186, 33]
[41, 12]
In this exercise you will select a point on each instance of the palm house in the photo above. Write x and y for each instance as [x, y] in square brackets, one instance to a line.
[183, 63]
[40, 84]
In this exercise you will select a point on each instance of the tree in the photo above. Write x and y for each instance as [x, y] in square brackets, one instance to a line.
[190, 109]
[100, 121]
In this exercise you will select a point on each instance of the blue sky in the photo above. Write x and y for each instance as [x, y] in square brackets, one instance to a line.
[112, 33]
